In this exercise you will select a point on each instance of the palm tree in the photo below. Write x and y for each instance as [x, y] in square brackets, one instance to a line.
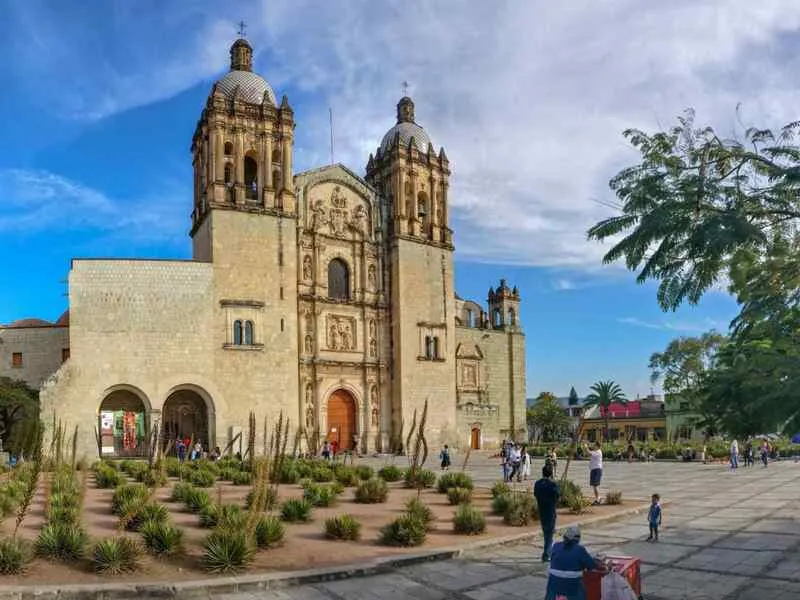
[604, 394]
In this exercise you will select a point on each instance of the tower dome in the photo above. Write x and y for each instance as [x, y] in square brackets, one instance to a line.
[407, 128]
[252, 88]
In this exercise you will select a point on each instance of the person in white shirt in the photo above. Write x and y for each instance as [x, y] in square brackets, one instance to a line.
[734, 454]
[595, 470]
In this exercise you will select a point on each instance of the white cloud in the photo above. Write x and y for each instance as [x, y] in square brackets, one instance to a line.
[528, 98]
[563, 285]
[36, 201]
[693, 327]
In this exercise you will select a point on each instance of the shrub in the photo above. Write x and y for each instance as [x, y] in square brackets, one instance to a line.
[222, 515]
[106, 477]
[63, 514]
[195, 499]
[520, 510]
[8, 504]
[149, 512]
[125, 496]
[417, 509]
[242, 478]
[15, 554]
[322, 474]
[500, 503]
[458, 495]
[152, 478]
[226, 551]
[64, 541]
[578, 505]
[372, 491]
[500, 488]
[422, 478]
[161, 538]
[390, 473]
[347, 476]
[271, 497]
[406, 531]
[116, 555]
[179, 491]
[454, 480]
[296, 510]
[343, 527]
[228, 473]
[320, 494]
[202, 478]
[614, 497]
[468, 520]
[269, 532]
[365, 472]
[288, 474]
[173, 467]
[569, 492]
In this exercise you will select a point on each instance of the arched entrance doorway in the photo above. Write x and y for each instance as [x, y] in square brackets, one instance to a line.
[475, 438]
[123, 423]
[341, 419]
[186, 415]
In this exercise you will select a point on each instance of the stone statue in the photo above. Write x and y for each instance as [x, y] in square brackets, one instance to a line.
[309, 401]
[319, 214]
[307, 268]
[371, 276]
[309, 419]
[373, 347]
[308, 345]
[372, 328]
[347, 337]
[333, 340]
[359, 219]
[374, 415]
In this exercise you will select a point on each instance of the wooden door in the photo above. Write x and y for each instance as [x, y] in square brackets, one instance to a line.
[475, 440]
[341, 419]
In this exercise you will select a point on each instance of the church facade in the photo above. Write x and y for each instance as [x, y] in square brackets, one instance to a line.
[323, 295]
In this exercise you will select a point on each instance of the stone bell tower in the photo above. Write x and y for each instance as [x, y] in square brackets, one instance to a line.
[413, 182]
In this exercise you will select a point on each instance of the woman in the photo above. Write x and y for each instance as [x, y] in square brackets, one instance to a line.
[526, 463]
[568, 561]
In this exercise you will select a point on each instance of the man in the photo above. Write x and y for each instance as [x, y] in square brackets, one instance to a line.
[569, 561]
[595, 470]
[547, 493]
[516, 462]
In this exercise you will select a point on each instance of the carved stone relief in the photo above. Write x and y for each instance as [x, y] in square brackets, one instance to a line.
[341, 333]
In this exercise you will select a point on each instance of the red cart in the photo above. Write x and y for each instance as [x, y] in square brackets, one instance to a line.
[627, 566]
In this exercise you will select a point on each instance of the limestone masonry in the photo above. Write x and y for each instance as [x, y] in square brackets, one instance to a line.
[323, 295]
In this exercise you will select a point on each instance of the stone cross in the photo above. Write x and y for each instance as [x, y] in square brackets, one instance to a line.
[242, 28]
[405, 88]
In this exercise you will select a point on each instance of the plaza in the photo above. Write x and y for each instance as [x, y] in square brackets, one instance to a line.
[726, 536]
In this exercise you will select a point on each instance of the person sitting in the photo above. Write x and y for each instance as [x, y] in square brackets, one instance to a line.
[568, 561]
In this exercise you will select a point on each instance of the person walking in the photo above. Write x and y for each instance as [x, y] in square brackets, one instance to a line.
[595, 470]
[765, 454]
[568, 561]
[654, 517]
[734, 455]
[546, 492]
[444, 458]
[516, 463]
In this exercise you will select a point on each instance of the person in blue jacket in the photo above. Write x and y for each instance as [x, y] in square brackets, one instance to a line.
[568, 561]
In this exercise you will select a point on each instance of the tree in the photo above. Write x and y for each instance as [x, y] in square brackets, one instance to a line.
[683, 368]
[18, 403]
[698, 206]
[699, 209]
[603, 394]
[573, 397]
[548, 416]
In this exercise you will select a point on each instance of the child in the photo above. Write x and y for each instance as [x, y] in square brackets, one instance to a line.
[654, 518]
[444, 456]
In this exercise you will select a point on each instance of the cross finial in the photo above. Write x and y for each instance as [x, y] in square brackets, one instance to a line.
[405, 88]
[242, 28]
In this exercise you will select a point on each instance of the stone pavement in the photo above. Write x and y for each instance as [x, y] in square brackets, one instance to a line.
[726, 536]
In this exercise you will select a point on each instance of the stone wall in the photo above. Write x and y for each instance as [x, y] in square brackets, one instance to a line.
[42, 351]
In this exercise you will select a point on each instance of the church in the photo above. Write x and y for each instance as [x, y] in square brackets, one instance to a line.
[323, 295]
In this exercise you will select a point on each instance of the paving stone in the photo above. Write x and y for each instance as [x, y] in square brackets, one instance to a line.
[757, 540]
[678, 584]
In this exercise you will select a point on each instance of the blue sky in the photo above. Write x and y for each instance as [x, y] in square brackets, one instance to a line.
[528, 98]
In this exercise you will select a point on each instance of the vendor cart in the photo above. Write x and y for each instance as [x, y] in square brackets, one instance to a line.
[627, 566]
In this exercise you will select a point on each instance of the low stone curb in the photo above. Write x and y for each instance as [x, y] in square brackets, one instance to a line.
[203, 588]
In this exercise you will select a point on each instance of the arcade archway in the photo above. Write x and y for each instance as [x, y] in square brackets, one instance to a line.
[187, 415]
[124, 423]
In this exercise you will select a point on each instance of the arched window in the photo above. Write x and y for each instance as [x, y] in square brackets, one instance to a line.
[228, 173]
[512, 317]
[276, 179]
[251, 177]
[248, 333]
[276, 156]
[228, 148]
[497, 318]
[237, 333]
[338, 280]
[423, 212]
[470, 318]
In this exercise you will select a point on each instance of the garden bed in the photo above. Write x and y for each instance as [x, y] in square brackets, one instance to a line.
[304, 546]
